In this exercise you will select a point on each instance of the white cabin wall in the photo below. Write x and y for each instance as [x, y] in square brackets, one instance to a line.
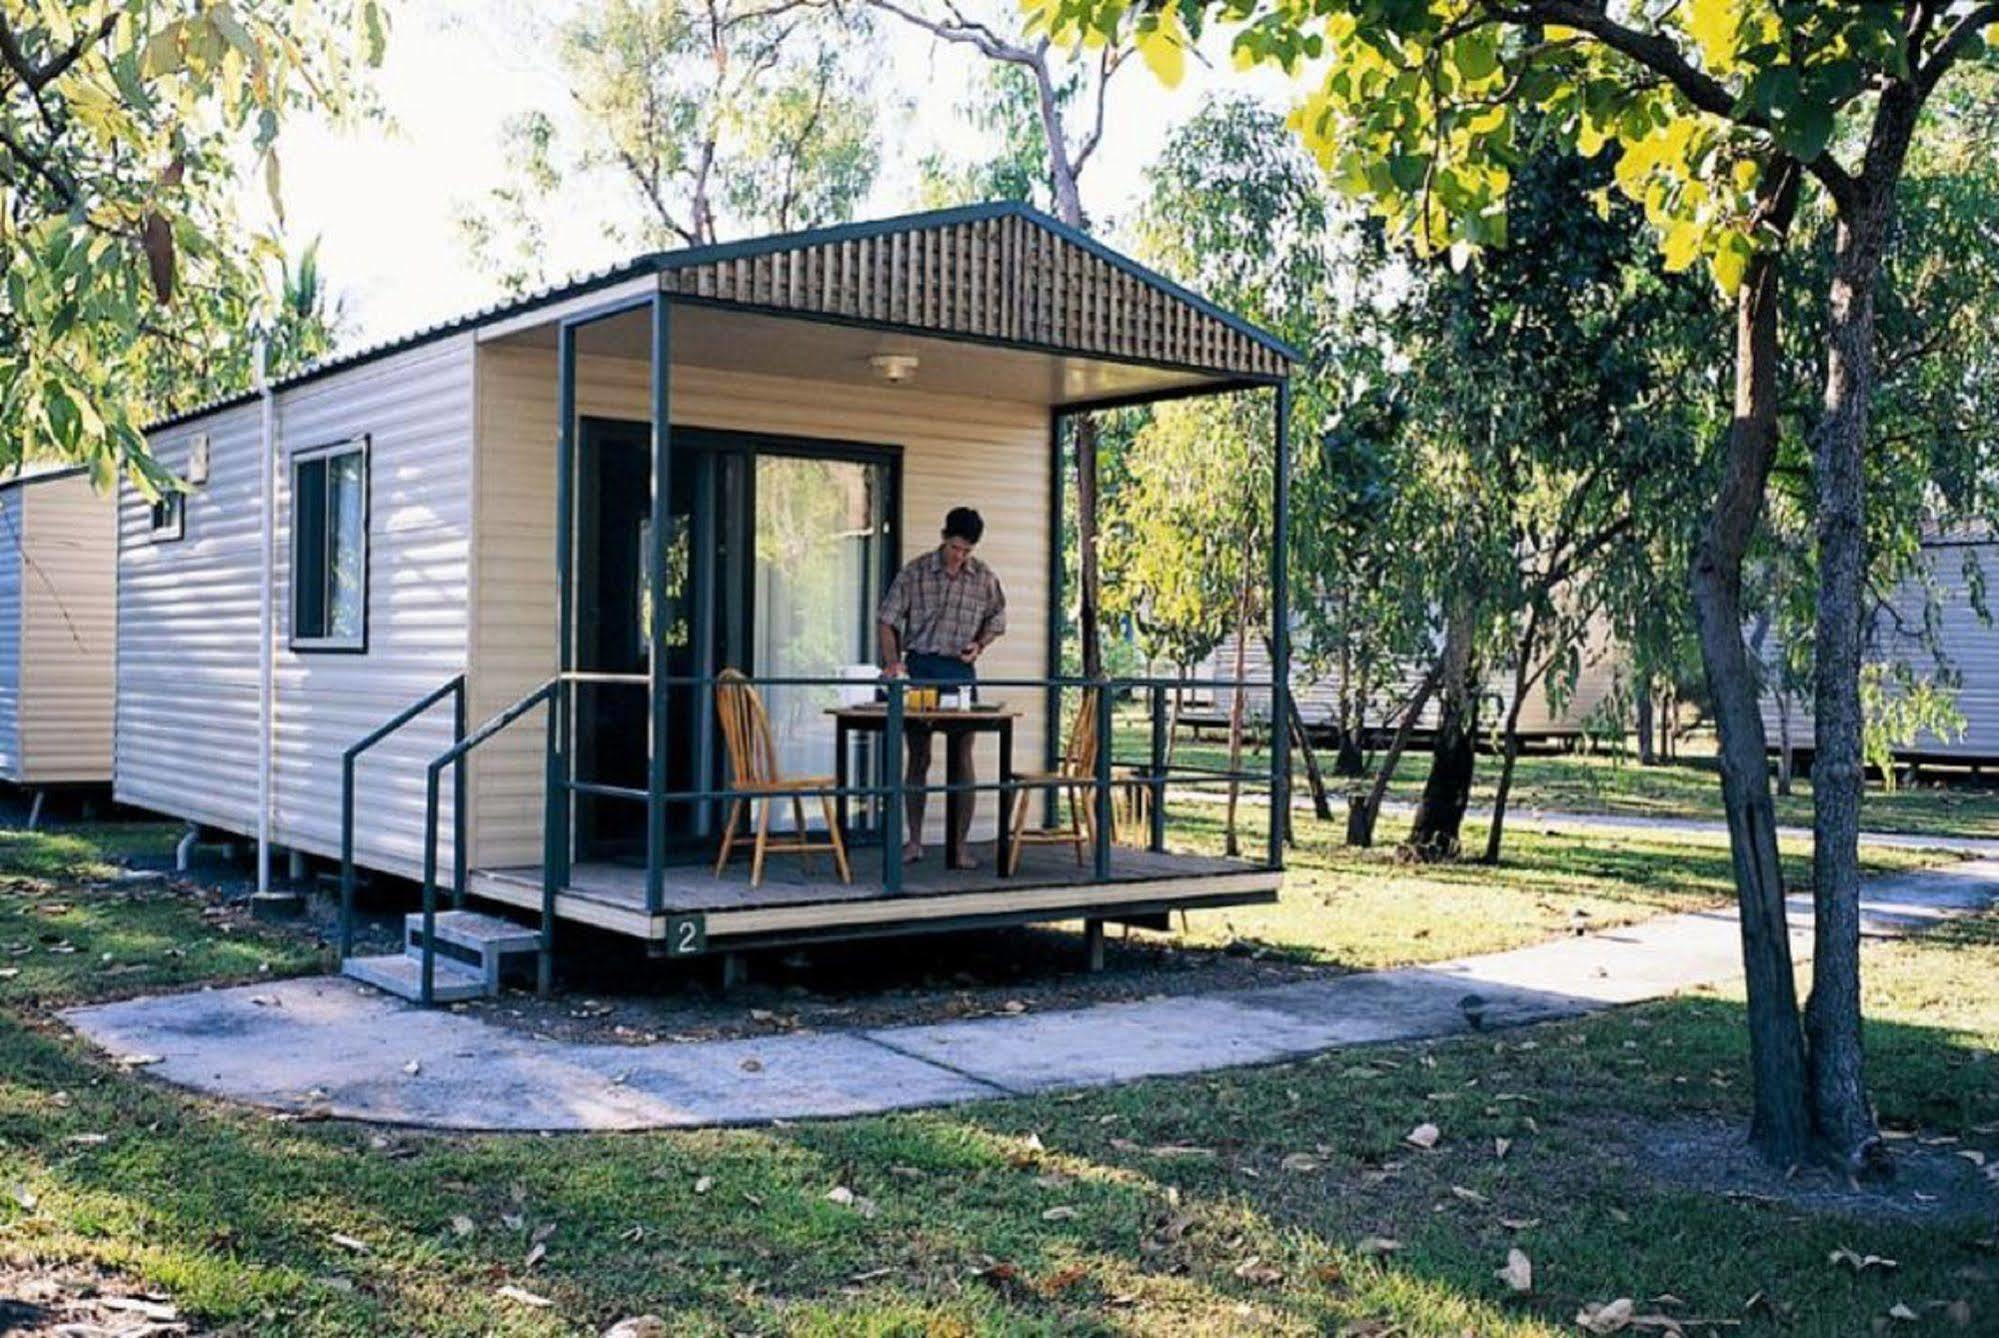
[12, 538]
[416, 409]
[956, 449]
[68, 630]
[187, 729]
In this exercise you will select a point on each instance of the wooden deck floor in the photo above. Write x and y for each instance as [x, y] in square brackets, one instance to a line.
[801, 895]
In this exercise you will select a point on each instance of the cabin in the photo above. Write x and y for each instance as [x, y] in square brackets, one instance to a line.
[501, 606]
[1954, 563]
[58, 609]
[1589, 706]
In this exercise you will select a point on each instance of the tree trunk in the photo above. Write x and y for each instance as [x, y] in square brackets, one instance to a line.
[1843, 1119]
[1440, 814]
[1523, 682]
[1315, 780]
[1785, 760]
[1360, 821]
[1780, 1125]
[1646, 754]
[1231, 846]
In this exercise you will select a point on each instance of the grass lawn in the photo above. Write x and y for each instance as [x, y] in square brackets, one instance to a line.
[1602, 783]
[1241, 1202]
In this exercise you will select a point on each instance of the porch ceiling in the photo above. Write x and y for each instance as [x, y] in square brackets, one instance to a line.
[815, 349]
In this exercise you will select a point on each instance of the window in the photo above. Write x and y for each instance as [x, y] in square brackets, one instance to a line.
[330, 547]
[168, 518]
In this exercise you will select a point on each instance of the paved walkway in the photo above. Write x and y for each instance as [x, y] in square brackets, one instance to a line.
[322, 1045]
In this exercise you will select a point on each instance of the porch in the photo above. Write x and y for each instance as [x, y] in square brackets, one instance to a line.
[797, 414]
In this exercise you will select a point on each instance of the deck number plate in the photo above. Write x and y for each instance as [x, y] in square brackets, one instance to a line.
[686, 935]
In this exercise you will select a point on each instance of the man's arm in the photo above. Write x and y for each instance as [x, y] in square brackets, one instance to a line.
[991, 629]
[891, 650]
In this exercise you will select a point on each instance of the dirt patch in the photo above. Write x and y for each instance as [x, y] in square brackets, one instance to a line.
[620, 996]
[74, 1300]
[1937, 1180]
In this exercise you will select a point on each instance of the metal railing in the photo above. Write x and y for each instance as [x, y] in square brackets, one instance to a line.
[455, 689]
[890, 793]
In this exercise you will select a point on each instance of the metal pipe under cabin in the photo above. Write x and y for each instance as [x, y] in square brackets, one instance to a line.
[266, 616]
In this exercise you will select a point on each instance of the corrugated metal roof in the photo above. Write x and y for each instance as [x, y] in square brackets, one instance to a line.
[661, 261]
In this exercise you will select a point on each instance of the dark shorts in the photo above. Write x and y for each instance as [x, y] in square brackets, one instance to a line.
[926, 668]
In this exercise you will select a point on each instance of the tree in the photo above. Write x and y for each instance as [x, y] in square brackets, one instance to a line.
[128, 281]
[716, 118]
[1721, 111]
[1059, 81]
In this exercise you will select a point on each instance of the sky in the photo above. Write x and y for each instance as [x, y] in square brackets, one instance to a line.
[382, 199]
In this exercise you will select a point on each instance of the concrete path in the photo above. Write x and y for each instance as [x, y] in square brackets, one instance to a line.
[325, 1046]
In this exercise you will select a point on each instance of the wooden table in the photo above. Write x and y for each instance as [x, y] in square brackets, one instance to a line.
[953, 725]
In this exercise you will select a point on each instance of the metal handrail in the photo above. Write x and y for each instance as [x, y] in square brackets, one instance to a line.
[455, 689]
[454, 757]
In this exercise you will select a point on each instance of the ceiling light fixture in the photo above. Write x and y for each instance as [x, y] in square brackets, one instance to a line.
[894, 368]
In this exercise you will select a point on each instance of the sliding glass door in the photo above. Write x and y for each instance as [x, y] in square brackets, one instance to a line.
[778, 552]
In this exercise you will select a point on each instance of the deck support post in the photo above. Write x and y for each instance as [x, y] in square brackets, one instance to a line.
[892, 810]
[1093, 945]
[735, 971]
[459, 804]
[1051, 734]
[1155, 815]
[655, 568]
[555, 837]
[1100, 798]
[1280, 625]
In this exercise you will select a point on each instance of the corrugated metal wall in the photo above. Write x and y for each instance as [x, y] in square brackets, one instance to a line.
[187, 735]
[12, 537]
[68, 626]
[1970, 648]
[985, 453]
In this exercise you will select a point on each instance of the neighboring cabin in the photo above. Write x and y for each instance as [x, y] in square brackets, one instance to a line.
[58, 612]
[1969, 645]
[1318, 698]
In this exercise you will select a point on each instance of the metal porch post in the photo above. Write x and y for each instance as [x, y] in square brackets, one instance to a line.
[555, 842]
[1280, 627]
[1051, 739]
[662, 535]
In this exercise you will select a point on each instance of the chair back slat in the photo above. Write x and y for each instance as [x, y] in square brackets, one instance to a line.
[746, 732]
[1079, 757]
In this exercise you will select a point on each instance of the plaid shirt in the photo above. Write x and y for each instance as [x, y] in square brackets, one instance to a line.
[937, 613]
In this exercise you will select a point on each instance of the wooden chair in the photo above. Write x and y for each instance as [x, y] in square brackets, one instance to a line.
[1074, 778]
[753, 767]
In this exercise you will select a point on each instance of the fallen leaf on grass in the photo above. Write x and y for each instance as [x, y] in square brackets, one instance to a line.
[462, 1225]
[1180, 1150]
[704, 1184]
[1860, 1263]
[157, 1311]
[1378, 1245]
[847, 1198]
[1520, 1223]
[24, 1196]
[1058, 1214]
[536, 1255]
[1301, 1161]
[1518, 1275]
[1500, 1147]
[639, 1326]
[1424, 1135]
[522, 1296]
[137, 1061]
[1902, 1312]
[1611, 1317]
[1061, 1280]
[1253, 1269]
[1469, 1195]
[350, 1243]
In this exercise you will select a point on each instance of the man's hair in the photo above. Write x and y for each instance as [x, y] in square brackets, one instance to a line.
[964, 523]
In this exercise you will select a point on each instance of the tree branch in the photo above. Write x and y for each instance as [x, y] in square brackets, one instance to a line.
[1951, 46]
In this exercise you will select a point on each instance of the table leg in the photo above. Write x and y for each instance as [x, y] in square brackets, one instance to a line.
[954, 799]
[1003, 840]
[841, 771]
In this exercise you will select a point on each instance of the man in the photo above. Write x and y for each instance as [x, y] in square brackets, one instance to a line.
[940, 614]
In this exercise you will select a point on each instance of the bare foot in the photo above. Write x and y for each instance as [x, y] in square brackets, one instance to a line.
[912, 852]
[966, 862]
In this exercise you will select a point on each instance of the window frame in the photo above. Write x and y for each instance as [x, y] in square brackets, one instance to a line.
[363, 446]
[176, 502]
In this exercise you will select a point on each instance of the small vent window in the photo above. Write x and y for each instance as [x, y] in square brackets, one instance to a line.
[168, 517]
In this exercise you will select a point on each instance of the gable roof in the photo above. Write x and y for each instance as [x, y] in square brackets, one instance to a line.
[1002, 273]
